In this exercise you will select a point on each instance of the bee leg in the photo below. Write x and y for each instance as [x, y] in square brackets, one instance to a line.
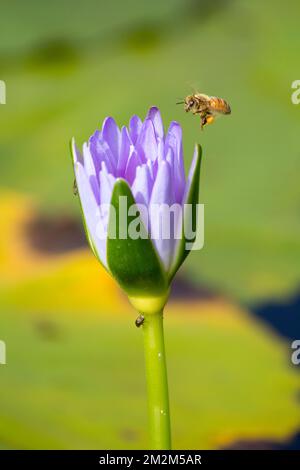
[203, 121]
[206, 119]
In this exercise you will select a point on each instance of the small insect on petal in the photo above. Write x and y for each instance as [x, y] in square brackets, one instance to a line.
[75, 189]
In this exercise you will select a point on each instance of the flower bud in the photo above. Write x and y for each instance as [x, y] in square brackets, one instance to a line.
[136, 202]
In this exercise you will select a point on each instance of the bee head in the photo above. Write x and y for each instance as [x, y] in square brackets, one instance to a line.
[189, 103]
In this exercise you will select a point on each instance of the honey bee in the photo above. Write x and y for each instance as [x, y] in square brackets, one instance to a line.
[208, 107]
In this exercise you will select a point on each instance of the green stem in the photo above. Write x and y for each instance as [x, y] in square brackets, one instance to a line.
[157, 383]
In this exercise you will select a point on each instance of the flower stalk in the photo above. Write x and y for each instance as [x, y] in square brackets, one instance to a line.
[157, 382]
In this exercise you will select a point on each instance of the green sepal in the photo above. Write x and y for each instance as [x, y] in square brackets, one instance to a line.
[191, 198]
[133, 262]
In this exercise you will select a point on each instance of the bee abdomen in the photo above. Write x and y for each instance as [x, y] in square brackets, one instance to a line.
[219, 105]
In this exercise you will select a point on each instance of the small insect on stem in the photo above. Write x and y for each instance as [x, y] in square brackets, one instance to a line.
[75, 189]
[139, 321]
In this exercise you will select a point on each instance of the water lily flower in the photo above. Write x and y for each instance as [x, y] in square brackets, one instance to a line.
[143, 165]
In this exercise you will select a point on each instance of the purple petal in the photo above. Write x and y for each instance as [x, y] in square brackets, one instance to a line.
[162, 193]
[101, 152]
[190, 177]
[133, 162]
[77, 157]
[90, 171]
[146, 144]
[184, 200]
[88, 162]
[160, 149]
[107, 181]
[174, 141]
[112, 135]
[142, 185]
[90, 210]
[126, 146]
[153, 166]
[155, 116]
[170, 159]
[135, 127]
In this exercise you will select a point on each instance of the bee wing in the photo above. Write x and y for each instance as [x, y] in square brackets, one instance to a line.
[193, 86]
